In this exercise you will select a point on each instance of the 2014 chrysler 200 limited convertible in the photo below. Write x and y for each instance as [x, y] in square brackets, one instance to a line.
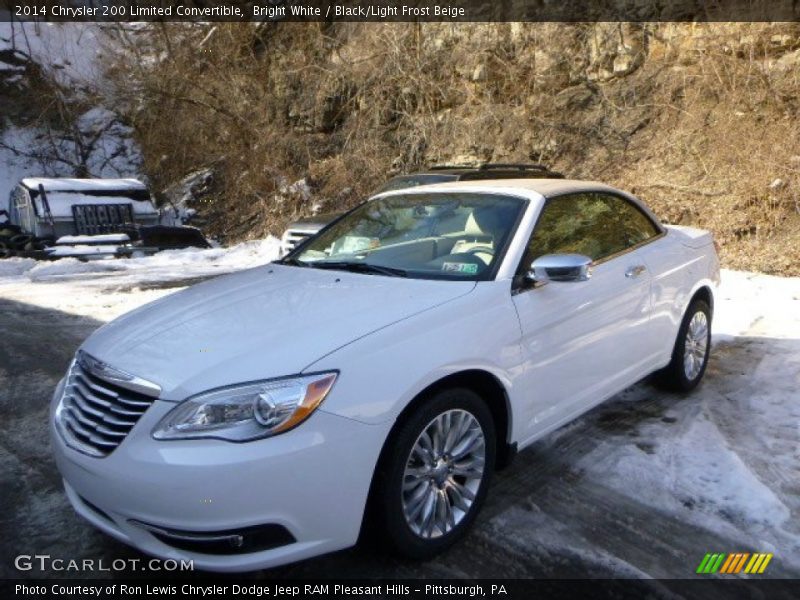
[385, 368]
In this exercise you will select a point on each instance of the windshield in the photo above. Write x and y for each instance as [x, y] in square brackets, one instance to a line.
[435, 236]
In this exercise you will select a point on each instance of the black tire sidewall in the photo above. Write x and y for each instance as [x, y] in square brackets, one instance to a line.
[400, 536]
[19, 241]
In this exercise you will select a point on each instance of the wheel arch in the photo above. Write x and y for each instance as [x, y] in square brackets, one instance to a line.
[703, 292]
[489, 387]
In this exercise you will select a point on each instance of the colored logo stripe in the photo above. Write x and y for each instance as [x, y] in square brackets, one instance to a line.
[733, 563]
[711, 563]
[729, 562]
[758, 563]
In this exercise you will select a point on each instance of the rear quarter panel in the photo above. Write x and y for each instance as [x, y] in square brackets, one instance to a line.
[680, 265]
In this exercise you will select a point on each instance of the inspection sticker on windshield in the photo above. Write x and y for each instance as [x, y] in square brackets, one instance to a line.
[455, 267]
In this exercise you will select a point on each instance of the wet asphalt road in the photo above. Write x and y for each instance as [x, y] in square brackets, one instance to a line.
[546, 516]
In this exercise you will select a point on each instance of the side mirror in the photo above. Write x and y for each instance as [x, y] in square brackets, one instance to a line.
[560, 267]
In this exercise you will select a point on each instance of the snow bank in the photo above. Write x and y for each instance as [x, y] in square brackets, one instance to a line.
[109, 238]
[165, 266]
[697, 475]
[756, 303]
[82, 250]
[14, 267]
[71, 184]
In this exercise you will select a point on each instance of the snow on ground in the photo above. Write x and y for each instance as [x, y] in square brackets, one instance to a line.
[109, 238]
[716, 471]
[724, 460]
[112, 286]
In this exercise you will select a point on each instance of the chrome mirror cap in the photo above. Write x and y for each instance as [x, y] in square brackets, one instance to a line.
[560, 267]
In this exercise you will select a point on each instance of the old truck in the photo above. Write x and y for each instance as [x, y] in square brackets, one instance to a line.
[53, 217]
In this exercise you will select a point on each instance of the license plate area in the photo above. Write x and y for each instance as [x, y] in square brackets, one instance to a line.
[95, 219]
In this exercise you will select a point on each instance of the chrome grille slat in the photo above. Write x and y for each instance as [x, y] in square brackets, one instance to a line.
[84, 391]
[80, 403]
[95, 416]
[134, 403]
[75, 426]
[101, 442]
[102, 430]
[97, 388]
[126, 413]
[79, 417]
[118, 422]
[91, 398]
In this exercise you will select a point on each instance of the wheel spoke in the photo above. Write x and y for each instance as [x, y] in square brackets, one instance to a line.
[472, 469]
[411, 483]
[428, 513]
[451, 515]
[441, 511]
[456, 431]
[468, 443]
[459, 501]
[417, 473]
[417, 500]
[424, 447]
[437, 437]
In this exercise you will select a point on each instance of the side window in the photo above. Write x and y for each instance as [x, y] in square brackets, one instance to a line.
[634, 226]
[593, 224]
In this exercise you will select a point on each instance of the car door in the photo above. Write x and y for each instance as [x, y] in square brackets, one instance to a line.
[585, 340]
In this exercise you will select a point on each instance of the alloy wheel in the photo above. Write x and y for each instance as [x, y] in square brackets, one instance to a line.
[443, 473]
[695, 345]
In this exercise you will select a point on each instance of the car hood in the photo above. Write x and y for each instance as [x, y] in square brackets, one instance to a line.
[266, 322]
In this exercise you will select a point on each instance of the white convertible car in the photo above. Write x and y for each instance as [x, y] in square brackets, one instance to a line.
[382, 370]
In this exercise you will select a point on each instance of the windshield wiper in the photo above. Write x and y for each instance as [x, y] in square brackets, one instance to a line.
[359, 267]
[292, 261]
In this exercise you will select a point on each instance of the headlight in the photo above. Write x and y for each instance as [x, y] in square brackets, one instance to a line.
[247, 412]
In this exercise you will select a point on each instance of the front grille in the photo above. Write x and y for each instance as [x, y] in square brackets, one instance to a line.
[96, 219]
[94, 416]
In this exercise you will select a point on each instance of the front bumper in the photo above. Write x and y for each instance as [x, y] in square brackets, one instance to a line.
[313, 481]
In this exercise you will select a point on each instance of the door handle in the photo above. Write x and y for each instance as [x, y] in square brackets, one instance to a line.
[635, 271]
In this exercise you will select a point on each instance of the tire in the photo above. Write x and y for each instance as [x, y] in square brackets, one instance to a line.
[690, 353]
[18, 242]
[9, 230]
[437, 486]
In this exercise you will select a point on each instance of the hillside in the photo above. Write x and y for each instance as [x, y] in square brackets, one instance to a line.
[57, 113]
[282, 120]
